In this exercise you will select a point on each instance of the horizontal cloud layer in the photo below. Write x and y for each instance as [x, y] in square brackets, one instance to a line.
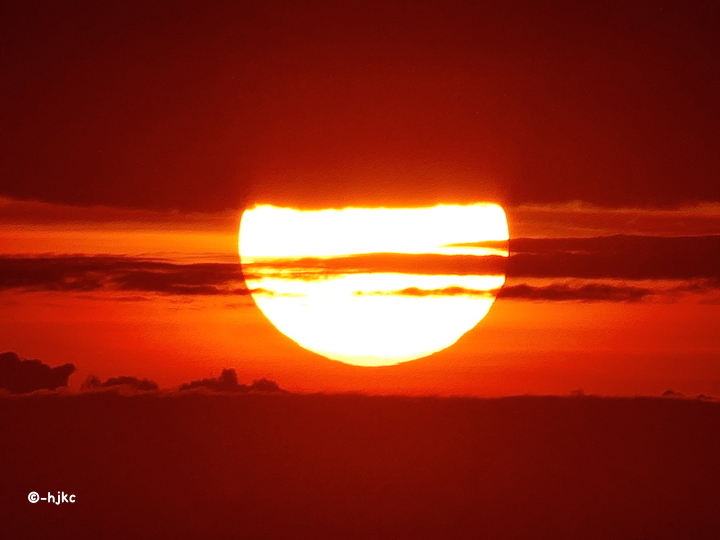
[405, 263]
[616, 257]
[589, 292]
[689, 260]
[84, 274]
[582, 220]
[603, 291]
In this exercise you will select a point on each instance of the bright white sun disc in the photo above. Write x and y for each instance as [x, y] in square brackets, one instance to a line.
[362, 285]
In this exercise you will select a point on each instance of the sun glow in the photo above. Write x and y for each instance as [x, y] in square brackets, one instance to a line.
[361, 315]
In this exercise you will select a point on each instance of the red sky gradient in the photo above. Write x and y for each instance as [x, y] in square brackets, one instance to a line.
[133, 136]
[608, 335]
[209, 106]
[140, 133]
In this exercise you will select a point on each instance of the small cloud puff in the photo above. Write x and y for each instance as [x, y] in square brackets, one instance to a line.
[121, 382]
[228, 382]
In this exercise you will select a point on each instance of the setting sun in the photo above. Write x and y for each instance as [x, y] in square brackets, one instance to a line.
[374, 287]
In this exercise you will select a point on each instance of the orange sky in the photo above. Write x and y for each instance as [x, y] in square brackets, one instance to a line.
[665, 339]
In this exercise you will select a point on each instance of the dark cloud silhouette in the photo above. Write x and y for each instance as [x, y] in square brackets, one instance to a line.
[410, 263]
[19, 375]
[588, 292]
[265, 385]
[134, 383]
[582, 220]
[416, 291]
[687, 259]
[699, 287]
[670, 393]
[33, 212]
[227, 381]
[616, 257]
[84, 274]
[183, 279]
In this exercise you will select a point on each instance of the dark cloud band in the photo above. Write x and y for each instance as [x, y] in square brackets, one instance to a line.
[690, 260]
[85, 274]
[616, 257]
[404, 263]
